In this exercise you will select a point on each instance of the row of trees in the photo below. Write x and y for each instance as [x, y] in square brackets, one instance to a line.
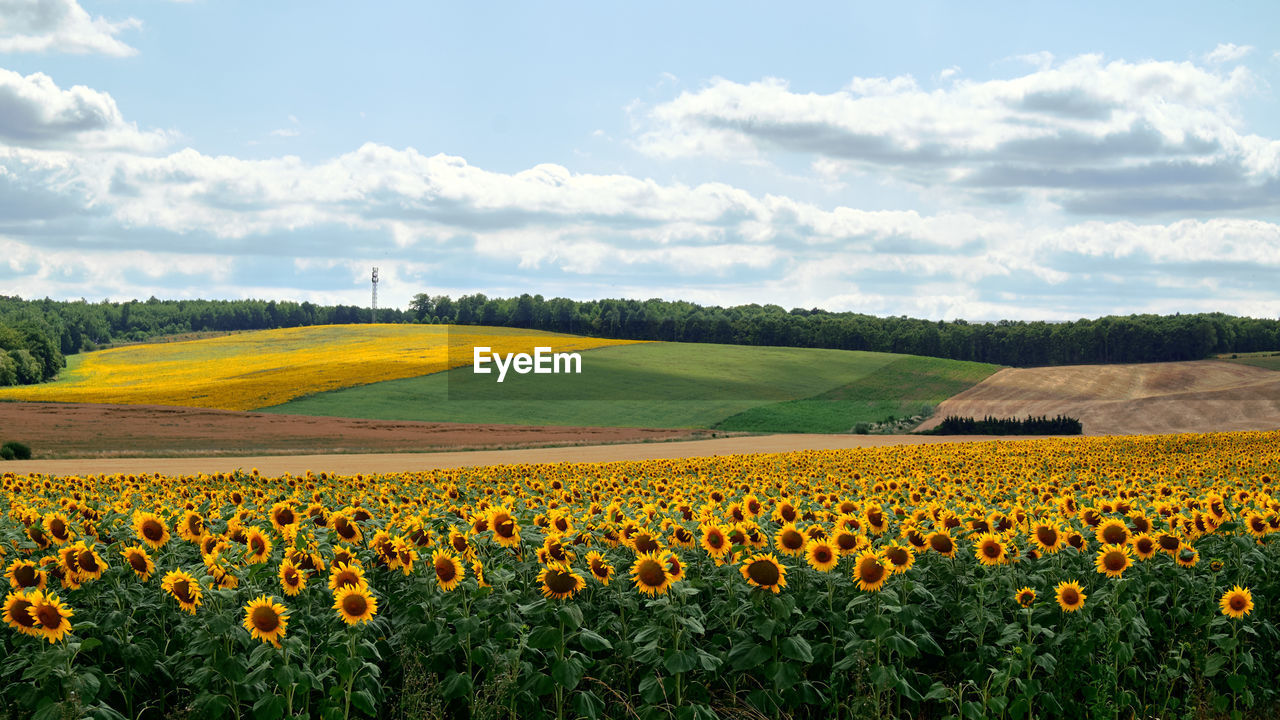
[27, 354]
[1042, 425]
[1133, 338]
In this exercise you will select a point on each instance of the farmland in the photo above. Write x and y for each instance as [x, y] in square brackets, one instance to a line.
[249, 370]
[672, 385]
[1090, 577]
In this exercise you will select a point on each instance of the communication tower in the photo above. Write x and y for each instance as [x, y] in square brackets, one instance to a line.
[373, 310]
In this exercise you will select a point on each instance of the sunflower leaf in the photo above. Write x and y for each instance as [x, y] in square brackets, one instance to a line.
[796, 648]
[544, 638]
[593, 641]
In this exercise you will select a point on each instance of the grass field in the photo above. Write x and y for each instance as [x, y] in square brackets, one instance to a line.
[1267, 361]
[670, 385]
[904, 387]
[248, 370]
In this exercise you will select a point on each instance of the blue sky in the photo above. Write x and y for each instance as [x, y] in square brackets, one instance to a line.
[940, 160]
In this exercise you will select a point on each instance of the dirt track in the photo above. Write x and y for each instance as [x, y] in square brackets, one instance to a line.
[66, 430]
[1202, 396]
[409, 462]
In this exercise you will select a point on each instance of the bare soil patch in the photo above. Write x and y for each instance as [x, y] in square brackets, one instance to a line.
[1148, 398]
[74, 430]
[416, 462]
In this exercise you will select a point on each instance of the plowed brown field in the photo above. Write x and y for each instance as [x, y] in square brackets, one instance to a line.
[67, 430]
[1201, 396]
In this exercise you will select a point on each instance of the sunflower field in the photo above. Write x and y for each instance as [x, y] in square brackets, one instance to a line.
[1120, 577]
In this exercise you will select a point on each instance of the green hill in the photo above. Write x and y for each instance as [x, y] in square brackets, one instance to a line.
[670, 385]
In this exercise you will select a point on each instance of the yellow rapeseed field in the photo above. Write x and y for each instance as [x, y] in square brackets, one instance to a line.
[263, 368]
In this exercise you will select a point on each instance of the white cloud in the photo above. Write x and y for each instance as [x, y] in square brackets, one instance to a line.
[286, 132]
[35, 112]
[78, 219]
[60, 26]
[1228, 52]
[1085, 129]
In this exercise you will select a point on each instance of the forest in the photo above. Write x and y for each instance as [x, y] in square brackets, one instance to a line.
[36, 335]
[1113, 339]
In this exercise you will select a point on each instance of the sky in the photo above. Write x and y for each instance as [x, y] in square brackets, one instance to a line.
[932, 159]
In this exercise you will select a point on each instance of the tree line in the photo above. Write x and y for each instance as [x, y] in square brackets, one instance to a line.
[1112, 339]
[1042, 425]
[36, 335]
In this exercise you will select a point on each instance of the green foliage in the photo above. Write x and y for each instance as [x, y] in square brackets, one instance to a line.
[956, 425]
[14, 450]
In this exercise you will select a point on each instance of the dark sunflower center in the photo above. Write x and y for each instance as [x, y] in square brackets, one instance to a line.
[561, 582]
[822, 554]
[870, 571]
[151, 530]
[291, 576]
[651, 574]
[257, 545]
[1169, 542]
[182, 590]
[87, 561]
[1047, 536]
[645, 543]
[195, 525]
[1070, 596]
[25, 575]
[847, 541]
[1114, 534]
[354, 605]
[897, 556]
[792, 540]
[460, 544]
[58, 528]
[1144, 546]
[764, 572]
[346, 578]
[18, 612]
[445, 570]
[941, 543]
[875, 517]
[598, 569]
[1114, 560]
[715, 540]
[505, 528]
[673, 567]
[991, 550]
[265, 619]
[137, 562]
[1237, 602]
[285, 516]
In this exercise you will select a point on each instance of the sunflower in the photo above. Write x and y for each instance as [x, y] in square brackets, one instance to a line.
[848, 542]
[477, 569]
[1048, 537]
[1113, 560]
[221, 571]
[52, 618]
[16, 612]
[940, 542]
[1256, 524]
[346, 528]
[284, 519]
[1236, 602]
[789, 540]
[405, 553]
[1070, 596]
[650, 574]
[1188, 556]
[355, 605]
[506, 531]
[257, 546]
[344, 555]
[899, 557]
[26, 575]
[184, 588]
[191, 527]
[765, 572]
[1112, 532]
[138, 559]
[600, 569]
[870, 571]
[57, 527]
[990, 550]
[1169, 543]
[266, 619]
[343, 575]
[559, 581]
[150, 529]
[448, 569]
[821, 555]
[291, 580]
[1144, 546]
[458, 542]
[89, 563]
[715, 541]
[1025, 597]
